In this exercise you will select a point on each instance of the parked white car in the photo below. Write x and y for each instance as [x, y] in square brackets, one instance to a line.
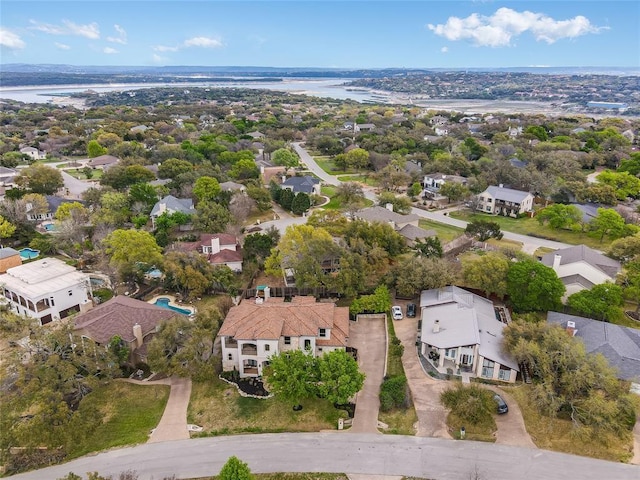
[396, 312]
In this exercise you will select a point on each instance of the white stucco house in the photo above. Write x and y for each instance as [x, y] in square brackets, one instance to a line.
[34, 153]
[218, 248]
[46, 290]
[505, 201]
[260, 327]
[461, 333]
[580, 268]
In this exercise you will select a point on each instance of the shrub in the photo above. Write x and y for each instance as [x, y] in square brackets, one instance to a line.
[393, 393]
[472, 404]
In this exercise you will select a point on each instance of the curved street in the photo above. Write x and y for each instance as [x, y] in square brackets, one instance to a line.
[366, 454]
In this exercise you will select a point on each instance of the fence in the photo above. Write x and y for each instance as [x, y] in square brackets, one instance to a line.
[318, 292]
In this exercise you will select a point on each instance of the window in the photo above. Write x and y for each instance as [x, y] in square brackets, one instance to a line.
[231, 356]
[487, 368]
[267, 348]
[307, 344]
[488, 208]
[287, 340]
[322, 332]
[504, 374]
[450, 352]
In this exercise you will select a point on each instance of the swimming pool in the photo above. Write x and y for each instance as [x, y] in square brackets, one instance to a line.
[166, 303]
[50, 227]
[29, 253]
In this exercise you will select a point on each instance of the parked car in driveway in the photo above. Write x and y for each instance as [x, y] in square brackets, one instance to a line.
[411, 310]
[396, 312]
[502, 405]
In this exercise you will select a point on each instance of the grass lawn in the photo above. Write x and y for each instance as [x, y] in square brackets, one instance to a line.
[329, 166]
[482, 432]
[445, 233]
[294, 476]
[556, 434]
[220, 410]
[334, 202]
[130, 413]
[504, 243]
[530, 226]
[366, 179]
[77, 173]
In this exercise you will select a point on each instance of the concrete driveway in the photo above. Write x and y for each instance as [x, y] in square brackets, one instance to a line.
[368, 335]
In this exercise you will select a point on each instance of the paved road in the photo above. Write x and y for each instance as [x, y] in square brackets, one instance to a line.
[340, 452]
[530, 244]
[369, 336]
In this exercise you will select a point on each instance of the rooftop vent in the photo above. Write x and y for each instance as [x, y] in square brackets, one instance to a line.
[436, 326]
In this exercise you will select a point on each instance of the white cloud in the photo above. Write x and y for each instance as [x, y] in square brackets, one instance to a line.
[62, 46]
[159, 58]
[122, 36]
[500, 28]
[109, 50]
[444, 49]
[10, 40]
[203, 42]
[90, 30]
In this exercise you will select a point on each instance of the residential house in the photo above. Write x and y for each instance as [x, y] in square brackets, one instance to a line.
[589, 211]
[134, 321]
[441, 131]
[46, 289]
[580, 267]
[619, 345]
[505, 201]
[258, 328]
[306, 184]
[461, 333]
[517, 163]
[233, 187]
[53, 202]
[219, 248]
[170, 205]
[433, 181]
[364, 127]
[33, 153]
[7, 177]
[103, 162]
[405, 225]
[256, 135]
[9, 258]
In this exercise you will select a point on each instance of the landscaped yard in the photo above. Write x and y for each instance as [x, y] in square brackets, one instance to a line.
[366, 179]
[334, 202]
[445, 233]
[77, 173]
[220, 410]
[530, 226]
[556, 434]
[130, 412]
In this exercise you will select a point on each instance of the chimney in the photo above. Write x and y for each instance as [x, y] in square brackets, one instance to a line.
[137, 332]
[215, 245]
[571, 328]
[501, 185]
[556, 262]
[389, 206]
[436, 326]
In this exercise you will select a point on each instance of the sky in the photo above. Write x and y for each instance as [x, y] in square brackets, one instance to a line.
[337, 34]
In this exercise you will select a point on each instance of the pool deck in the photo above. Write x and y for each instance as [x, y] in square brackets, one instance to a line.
[172, 302]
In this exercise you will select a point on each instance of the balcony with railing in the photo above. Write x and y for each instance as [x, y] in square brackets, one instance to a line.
[249, 349]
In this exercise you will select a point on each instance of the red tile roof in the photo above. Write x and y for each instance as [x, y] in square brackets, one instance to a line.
[275, 318]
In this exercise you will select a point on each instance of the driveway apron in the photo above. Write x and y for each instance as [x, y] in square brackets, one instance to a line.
[368, 335]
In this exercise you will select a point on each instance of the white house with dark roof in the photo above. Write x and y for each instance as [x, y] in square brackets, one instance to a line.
[33, 153]
[103, 162]
[461, 333]
[233, 187]
[46, 289]
[258, 328]
[505, 201]
[580, 267]
[170, 205]
[218, 248]
[405, 225]
[306, 184]
[619, 345]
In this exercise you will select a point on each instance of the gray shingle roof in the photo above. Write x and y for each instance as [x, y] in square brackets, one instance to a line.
[582, 253]
[8, 252]
[381, 214]
[507, 194]
[619, 345]
[301, 184]
[413, 233]
[184, 205]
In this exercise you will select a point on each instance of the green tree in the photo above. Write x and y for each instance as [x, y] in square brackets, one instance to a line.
[129, 248]
[94, 149]
[533, 287]
[472, 404]
[400, 205]
[121, 177]
[454, 191]
[625, 249]
[143, 194]
[301, 203]
[211, 217]
[188, 272]
[429, 247]
[235, 469]
[206, 189]
[66, 210]
[483, 230]
[487, 273]
[378, 302]
[257, 246]
[559, 215]
[39, 178]
[601, 302]
[244, 169]
[285, 157]
[412, 275]
[114, 209]
[608, 223]
[365, 237]
[356, 158]
[414, 190]
[625, 184]
[350, 192]
[293, 375]
[339, 376]
[6, 228]
[286, 198]
[173, 167]
[261, 196]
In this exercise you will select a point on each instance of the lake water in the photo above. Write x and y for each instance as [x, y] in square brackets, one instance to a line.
[328, 88]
